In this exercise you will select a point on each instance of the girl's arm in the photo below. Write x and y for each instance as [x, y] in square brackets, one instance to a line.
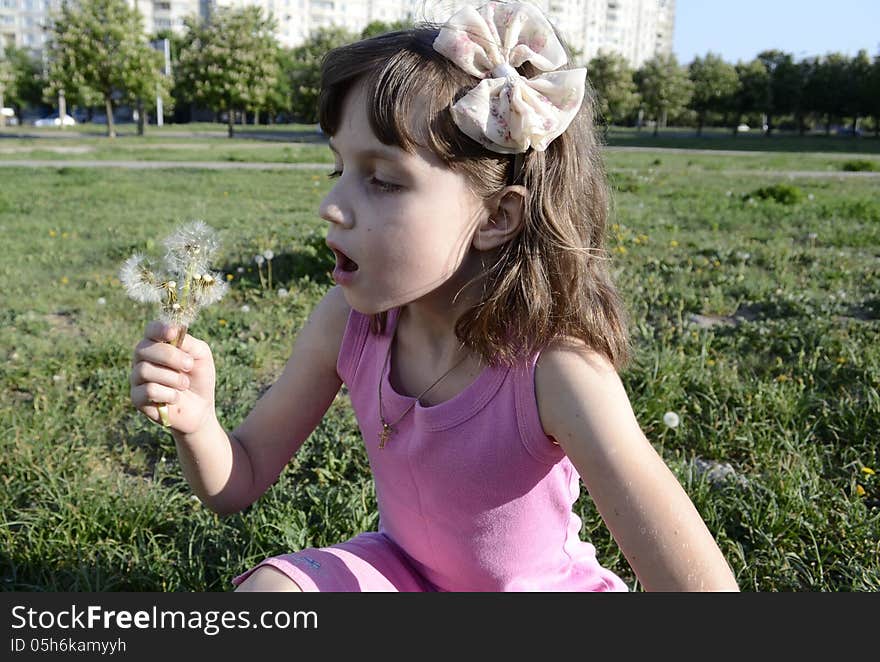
[584, 407]
[229, 471]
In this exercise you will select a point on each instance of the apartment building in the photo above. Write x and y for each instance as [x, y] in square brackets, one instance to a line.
[637, 29]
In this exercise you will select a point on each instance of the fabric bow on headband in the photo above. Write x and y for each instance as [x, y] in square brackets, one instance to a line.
[506, 112]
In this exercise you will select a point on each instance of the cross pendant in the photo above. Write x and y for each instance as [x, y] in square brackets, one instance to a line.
[385, 434]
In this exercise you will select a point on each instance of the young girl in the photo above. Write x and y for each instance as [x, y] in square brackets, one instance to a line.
[476, 328]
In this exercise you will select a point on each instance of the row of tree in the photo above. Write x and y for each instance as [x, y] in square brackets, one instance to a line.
[98, 56]
[774, 85]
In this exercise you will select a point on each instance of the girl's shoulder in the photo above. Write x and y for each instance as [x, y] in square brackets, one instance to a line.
[570, 376]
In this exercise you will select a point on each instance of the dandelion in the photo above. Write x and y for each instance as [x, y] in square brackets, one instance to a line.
[868, 471]
[187, 285]
[729, 193]
[102, 301]
[52, 233]
[268, 254]
[64, 280]
[259, 259]
[240, 270]
[229, 277]
[222, 322]
[245, 308]
[811, 197]
[671, 419]
[860, 490]
[282, 293]
[673, 243]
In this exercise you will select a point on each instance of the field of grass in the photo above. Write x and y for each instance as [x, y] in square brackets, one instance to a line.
[756, 321]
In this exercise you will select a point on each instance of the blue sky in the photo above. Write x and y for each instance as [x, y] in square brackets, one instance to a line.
[740, 29]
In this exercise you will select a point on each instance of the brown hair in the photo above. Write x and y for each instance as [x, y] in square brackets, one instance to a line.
[552, 280]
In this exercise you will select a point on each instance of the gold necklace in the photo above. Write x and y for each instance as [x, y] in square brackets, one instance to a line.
[387, 429]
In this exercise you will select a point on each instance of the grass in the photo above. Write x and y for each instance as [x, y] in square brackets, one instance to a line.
[783, 386]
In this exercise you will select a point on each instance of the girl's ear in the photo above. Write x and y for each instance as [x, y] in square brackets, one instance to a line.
[503, 220]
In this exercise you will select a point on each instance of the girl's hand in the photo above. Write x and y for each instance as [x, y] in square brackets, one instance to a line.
[182, 378]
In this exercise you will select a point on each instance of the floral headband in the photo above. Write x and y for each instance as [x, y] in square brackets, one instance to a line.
[506, 112]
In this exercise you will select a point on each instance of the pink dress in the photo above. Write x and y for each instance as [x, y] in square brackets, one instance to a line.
[472, 494]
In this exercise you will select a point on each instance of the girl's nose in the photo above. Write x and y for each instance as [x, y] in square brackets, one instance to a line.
[332, 212]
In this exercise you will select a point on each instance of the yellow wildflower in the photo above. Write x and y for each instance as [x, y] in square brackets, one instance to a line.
[860, 490]
[868, 471]
[710, 362]
[782, 378]
[229, 276]
[52, 233]
[673, 244]
[221, 322]
[64, 280]
[64, 235]
[841, 360]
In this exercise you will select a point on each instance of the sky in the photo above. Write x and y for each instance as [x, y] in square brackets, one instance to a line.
[741, 29]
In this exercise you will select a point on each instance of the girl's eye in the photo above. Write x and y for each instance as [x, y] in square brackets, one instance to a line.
[378, 183]
[384, 186]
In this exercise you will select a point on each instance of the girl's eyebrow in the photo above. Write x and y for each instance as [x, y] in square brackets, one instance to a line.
[373, 153]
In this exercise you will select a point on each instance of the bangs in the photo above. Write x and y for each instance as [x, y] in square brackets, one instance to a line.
[409, 89]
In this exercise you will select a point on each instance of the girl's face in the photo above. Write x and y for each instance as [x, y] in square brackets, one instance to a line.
[405, 219]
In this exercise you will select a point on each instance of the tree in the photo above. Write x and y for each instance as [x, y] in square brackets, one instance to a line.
[612, 78]
[98, 52]
[873, 93]
[858, 93]
[376, 28]
[715, 83]
[26, 88]
[827, 87]
[784, 82]
[664, 86]
[305, 75]
[230, 61]
[7, 82]
[751, 96]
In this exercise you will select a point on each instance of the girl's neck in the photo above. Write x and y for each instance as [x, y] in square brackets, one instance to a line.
[427, 325]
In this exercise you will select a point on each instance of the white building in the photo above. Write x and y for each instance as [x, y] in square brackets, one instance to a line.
[637, 29]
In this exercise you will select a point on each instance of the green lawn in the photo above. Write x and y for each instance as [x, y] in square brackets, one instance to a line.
[784, 387]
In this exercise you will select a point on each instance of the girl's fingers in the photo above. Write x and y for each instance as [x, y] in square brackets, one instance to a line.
[164, 355]
[151, 393]
[145, 372]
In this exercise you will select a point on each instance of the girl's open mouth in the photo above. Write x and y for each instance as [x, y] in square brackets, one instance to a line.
[344, 262]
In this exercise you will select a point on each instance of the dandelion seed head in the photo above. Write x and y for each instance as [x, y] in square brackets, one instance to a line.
[140, 283]
[101, 301]
[192, 244]
[671, 419]
[282, 293]
[259, 259]
[268, 254]
[245, 308]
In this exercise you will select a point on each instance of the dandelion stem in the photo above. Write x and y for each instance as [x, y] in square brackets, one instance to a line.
[270, 272]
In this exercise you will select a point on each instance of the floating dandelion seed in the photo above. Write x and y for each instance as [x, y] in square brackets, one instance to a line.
[671, 419]
[188, 285]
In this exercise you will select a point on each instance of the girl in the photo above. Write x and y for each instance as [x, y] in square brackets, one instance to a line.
[476, 328]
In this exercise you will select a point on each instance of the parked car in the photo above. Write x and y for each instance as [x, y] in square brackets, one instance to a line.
[742, 128]
[54, 120]
[9, 116]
